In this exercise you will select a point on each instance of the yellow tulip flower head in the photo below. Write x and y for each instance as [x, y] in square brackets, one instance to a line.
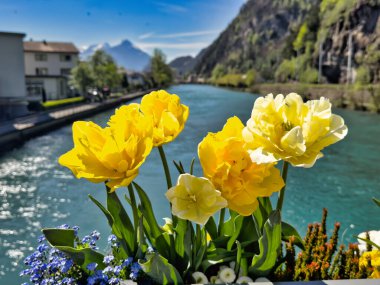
[227, 163]
[167, 113]
[113, 154]
[287, 128]
[195, 199]
[371, 259]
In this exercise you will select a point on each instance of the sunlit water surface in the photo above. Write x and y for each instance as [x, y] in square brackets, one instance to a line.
[36, 192]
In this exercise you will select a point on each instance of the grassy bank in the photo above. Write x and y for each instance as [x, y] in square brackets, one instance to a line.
[366, 98]
[62, 102]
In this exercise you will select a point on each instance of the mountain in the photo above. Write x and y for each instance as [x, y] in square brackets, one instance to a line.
[182, 65]
[125, 54]
[286, 40]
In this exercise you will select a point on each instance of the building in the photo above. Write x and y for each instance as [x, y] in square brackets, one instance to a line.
[12, 76]
[47, 68]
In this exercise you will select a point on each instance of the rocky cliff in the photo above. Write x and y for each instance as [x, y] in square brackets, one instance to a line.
[298, 40]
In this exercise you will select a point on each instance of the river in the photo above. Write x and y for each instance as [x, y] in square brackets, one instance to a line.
[36, 192]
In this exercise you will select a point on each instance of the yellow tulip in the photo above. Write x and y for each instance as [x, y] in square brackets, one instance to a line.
[227, 163]
[113, 154]
[195, 199]
[371, 258]
[287, 128]
[168, 114]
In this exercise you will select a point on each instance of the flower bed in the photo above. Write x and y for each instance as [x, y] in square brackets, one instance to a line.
[248, 241]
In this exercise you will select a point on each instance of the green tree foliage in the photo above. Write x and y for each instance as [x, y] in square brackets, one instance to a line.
[82, 77]
[100, 71]
[105, 70]
[250, 77]
[218, 71]
[363, 76]
[161, 72]
[286, 71]
[310, 75]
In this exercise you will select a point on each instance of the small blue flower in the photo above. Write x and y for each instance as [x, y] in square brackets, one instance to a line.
[64, 226]
[41, 239]
[42, 247]
[92, 266]
[95, 235]
[86, 239]
[135, 267]
[76, 229]
[117, 270]
[108, 259]
[108, 269]
[114, 281]
[66, 265]
[127, 262]
[112, 239]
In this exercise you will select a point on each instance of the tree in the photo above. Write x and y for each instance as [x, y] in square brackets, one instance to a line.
[105, 70]
[82, 77]
[161, 72]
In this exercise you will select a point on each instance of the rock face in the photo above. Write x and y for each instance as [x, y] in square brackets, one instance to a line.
[356, 35]
[125, 54]
[297, 35]
[182, 65]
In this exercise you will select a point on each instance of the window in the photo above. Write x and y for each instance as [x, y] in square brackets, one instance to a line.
[41, 71]
[65, 71]
[65, 57]
[40, 57]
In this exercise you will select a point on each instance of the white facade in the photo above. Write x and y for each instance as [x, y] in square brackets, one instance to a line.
[53, 63]
[47, 69]
[12, 76]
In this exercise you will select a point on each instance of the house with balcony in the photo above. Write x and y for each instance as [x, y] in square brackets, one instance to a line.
[47, 68]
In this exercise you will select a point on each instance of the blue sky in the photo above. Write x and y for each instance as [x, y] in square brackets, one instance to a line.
[178, 27]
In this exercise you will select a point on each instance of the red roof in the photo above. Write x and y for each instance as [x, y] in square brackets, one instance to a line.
[50, 47]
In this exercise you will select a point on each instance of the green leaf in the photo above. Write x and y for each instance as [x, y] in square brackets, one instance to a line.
[192, 166]
[238, 223]
[122, 221]
[288, 231]
[201, 249]
[212, 228]
[269, 245]
[238, 257]
[59, 237]
[153, 231]
[126, 247]
[377, 202]
[83, 256]
[249, 230]
[229, 226]
[369, 242]
[147, 211]
[179, 167]
[160, 270]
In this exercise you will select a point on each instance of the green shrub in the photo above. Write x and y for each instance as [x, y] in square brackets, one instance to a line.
[363, 75]
[231, 80]
[285, 71]
[250, 78]
[310, 75]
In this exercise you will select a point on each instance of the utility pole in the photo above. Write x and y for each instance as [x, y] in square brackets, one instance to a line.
[349, 60]
[320, 62]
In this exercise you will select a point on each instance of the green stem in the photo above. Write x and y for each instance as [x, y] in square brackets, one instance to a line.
[165, 165]
[134, 206]
[221, 221]
[281, 196]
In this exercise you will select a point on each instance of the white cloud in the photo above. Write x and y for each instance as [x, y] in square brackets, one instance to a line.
[146, 36]
[170, 8]
[154, 45]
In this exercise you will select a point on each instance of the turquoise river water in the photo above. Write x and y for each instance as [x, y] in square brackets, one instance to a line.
[36, 192]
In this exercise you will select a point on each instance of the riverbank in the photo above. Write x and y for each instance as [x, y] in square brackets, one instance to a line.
[17, 131]
[365, 98]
